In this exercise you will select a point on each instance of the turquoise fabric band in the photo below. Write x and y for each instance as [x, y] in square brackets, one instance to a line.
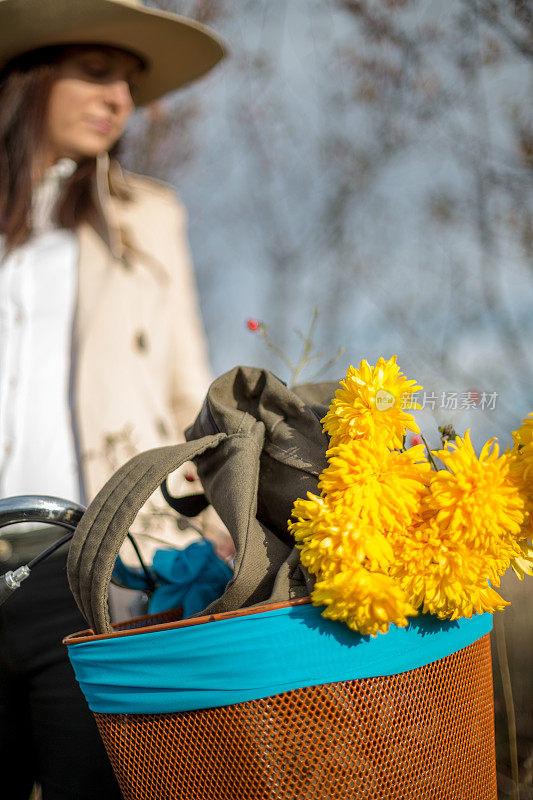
[253, 656]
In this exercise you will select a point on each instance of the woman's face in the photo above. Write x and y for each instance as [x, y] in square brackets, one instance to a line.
[90, 102]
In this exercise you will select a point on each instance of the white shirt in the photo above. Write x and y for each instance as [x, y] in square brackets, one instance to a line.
[38, 288]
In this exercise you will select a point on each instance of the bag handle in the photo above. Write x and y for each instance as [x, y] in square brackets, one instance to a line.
[189, 505]
[101, 532]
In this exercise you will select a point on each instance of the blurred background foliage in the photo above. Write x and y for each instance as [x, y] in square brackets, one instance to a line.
[372, 159]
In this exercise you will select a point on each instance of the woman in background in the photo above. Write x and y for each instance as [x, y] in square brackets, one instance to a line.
[102, 350]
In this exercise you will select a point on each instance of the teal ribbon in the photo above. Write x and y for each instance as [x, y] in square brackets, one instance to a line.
[253, 656]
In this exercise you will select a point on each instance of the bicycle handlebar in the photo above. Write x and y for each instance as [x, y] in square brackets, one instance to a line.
[34, 508]
[40, 508]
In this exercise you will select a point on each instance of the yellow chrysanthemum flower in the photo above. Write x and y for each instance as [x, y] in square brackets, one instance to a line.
[368, 602]
[368, 493]
[445, 579]
[330, 535]
[475, 501]
[382, 487]
[521, 459]
[467, 535]
[369, 405]
[523, 564]
[521, 470]
[524, 434]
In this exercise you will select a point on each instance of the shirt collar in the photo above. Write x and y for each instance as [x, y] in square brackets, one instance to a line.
[47, 191]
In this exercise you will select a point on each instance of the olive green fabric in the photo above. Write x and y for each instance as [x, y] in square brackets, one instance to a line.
[102, 529]
[258, 446]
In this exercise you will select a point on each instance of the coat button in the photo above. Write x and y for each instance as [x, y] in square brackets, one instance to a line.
[161, 428]
[141, 341]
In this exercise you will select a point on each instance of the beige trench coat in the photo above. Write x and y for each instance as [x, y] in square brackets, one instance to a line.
[140, 364]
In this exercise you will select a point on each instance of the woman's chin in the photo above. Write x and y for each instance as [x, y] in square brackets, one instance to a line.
[88, 147]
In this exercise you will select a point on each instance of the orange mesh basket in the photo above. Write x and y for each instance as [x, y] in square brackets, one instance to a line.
[423, 734]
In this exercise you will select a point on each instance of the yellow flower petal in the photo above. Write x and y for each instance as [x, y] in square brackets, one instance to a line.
[367, 602]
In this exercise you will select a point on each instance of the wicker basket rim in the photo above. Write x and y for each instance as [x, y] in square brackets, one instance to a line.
[87, 635]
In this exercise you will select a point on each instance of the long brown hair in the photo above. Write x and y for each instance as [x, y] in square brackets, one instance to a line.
[25, 86]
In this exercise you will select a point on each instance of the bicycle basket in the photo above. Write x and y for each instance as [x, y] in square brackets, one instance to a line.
[277, 703]
[261, 698]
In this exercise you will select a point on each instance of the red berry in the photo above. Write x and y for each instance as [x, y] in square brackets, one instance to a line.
[253, 324]
[190, 478]
[415, 440]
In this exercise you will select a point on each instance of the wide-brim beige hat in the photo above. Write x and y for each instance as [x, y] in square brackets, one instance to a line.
[175, 49]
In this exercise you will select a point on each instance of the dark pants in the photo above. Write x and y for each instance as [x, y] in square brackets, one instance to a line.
[47, 733]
